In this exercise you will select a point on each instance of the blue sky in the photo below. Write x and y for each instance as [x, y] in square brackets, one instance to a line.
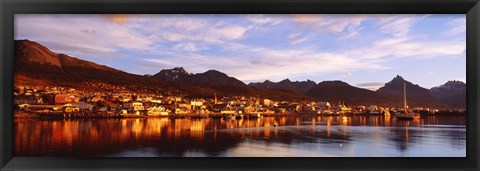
[362, 50]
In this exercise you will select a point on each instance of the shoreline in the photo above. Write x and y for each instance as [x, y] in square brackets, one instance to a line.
[95, 115]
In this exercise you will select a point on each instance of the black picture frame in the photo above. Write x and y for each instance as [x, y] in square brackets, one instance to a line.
[9, 8]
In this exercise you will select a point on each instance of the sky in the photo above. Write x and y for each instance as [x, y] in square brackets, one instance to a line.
[363, 50]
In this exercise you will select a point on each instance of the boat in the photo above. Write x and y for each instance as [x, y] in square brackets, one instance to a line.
[176, 116]
[374, 112]
[216, 116]
[228, 116]
[198, 116]
[312, 112]
[253, 115]
[405, 115]
[327, 112]
[238, 116]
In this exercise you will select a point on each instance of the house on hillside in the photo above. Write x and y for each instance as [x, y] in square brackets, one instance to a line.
[60, 99]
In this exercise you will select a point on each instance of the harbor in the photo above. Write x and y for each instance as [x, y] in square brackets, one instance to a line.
[62, 102]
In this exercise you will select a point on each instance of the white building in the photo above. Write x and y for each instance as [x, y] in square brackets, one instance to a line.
[81, 105]
[136, 106]
[157, 111]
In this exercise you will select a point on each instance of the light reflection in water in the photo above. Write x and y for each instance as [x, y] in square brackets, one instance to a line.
[288, 136]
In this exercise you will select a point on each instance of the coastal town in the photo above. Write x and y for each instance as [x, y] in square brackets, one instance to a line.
[51, 102]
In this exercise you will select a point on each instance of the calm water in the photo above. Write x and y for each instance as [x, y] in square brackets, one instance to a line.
[373, 136]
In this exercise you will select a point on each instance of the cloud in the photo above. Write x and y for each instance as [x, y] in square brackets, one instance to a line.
[161, 61]
[262, 62]
[263, 19]
[190, 47]
[456, 26]
[120, 18]
[346, 75]
[228, 33]
[177, 28]
[293, 35]
[294, 42]
[347, 26]
[174, 37]
[371, 85]
[140, 33]
[275, 64]
[352, 32]
[95, 33]
[79, 51]
[304, 18]
[398, 25]
[87, 31]
[409, 48]
[197, 64]
[279, 63]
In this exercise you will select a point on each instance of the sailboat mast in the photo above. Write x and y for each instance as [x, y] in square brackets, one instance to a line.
[404, 97]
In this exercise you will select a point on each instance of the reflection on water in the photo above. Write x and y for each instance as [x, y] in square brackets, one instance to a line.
[269, 136]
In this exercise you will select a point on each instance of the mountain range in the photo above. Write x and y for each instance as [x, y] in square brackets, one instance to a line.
[453, 93]
[450, 95]
[211, 77]
[297, 86]
[37, 65]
